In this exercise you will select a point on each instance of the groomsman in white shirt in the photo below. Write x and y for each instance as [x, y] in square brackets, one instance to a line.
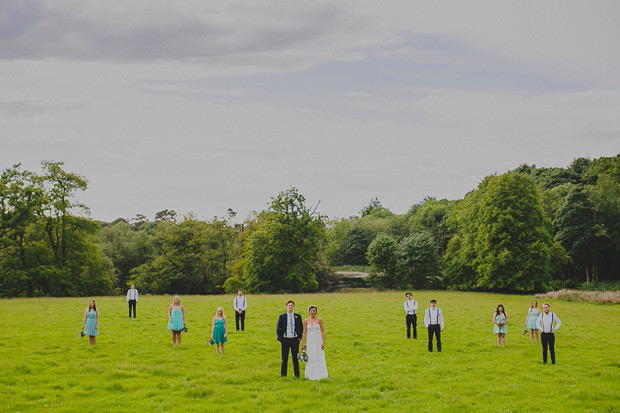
[547, 338]
[240, 304]
[132, 299]
[411, 317]
[433, 321]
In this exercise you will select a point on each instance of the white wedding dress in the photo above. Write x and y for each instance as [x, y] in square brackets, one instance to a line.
[316, 369]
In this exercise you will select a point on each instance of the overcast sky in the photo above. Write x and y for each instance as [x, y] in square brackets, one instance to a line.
[207, 105]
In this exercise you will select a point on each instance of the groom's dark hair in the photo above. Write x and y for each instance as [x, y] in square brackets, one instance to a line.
[434, 301]
[290, 301]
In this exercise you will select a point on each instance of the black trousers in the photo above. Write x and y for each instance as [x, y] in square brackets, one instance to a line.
[548, 340]
[132, 304]
[434, 329]
[240, 317]
[291, 344]
[411, 320]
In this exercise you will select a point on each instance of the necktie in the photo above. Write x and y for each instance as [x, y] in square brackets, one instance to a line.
[290, 325]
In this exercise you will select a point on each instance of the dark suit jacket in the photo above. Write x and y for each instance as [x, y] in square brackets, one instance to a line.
[281, 326]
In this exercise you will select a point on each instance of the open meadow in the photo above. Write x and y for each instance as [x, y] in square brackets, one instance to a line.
[372, 366]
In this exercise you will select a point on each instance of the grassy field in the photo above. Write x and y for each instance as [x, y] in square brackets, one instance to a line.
[372, 366]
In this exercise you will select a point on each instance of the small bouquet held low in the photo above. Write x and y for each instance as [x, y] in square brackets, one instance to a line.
[302, 356]
[211, 341]
[81, 334]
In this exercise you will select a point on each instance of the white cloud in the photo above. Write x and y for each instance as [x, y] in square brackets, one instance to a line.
[223, 104]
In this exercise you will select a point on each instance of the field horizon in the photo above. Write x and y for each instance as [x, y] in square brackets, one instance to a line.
[371, 364]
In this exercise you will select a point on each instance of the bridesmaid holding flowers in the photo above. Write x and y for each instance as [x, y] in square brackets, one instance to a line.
[219, 330]
[499, 325]
[90, 323]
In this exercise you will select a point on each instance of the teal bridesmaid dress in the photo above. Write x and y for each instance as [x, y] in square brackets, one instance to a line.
[218, 331]
[90, 326]
[500, 318]
[176, 320]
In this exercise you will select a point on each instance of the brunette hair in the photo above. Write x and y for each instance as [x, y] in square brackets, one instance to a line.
[290, 301]
[94, 305]
[503, 310]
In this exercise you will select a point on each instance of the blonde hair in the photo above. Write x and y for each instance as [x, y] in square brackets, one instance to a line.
[176, 297]
[218, 309]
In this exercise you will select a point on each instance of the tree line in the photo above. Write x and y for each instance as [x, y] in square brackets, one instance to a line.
[530, 229]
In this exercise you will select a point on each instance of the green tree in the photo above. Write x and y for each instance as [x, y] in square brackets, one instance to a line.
[284, 248]
[382, 257]
[504, 236]
[127, 249]
[431, 216]
[45, 249]
[418, 260]
[191, 257]
[579, 233]
[353, 249]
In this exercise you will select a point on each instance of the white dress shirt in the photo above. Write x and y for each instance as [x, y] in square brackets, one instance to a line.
[132, 294]
[433, 316]
[240, 303]
[290, 325]
[411, 306]
[545, 322]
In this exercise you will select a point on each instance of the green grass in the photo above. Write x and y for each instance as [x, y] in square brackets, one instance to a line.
[372, 366]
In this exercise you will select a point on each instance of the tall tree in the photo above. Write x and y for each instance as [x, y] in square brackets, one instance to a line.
[505, 233]
[418, 260]
[579, 233]
[382, 257]
[284, 248]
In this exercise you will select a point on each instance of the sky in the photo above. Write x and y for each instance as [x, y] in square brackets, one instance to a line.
[200, 106]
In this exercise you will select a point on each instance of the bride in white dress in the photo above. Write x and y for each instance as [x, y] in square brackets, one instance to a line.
[313, 341]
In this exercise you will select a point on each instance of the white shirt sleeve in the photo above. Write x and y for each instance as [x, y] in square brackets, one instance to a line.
[128, 292]
[235, 304]
[244, 304]
[440, 317]
[558, 323]
[405, 306]
[415, 306]
[136, 295]
[427, 321]
[539, 322]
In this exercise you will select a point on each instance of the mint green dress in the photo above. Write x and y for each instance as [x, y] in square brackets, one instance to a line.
[90, 326]
[531, 320]
[500, 318]
[176, 320]
[218, 331]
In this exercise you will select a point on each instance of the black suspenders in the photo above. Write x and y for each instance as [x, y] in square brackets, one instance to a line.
[430, 317]
[543, 323]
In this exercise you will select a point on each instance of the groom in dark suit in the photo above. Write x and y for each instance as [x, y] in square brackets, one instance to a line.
[289, 330]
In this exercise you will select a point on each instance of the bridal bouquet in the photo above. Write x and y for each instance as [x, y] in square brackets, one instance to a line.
[81, 334]
[302, 356]
[211, 341]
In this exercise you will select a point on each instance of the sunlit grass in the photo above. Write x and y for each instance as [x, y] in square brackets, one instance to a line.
[372, 366]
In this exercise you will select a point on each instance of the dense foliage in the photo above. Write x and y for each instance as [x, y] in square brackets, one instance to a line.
[45, 249]
[529, 229]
